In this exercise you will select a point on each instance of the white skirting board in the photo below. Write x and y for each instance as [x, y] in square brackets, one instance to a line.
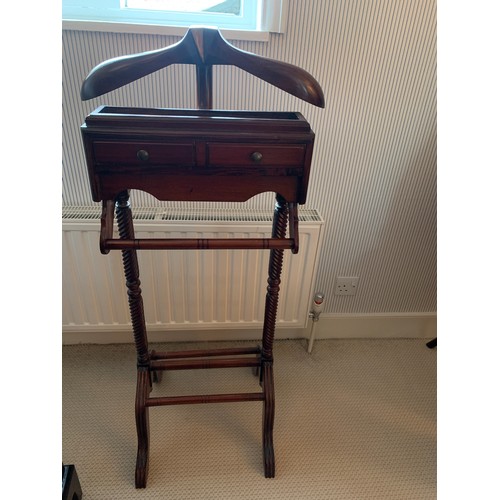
[377, 325]
[329, 326]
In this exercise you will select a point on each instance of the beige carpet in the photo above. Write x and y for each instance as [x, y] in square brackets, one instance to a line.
[356, 419]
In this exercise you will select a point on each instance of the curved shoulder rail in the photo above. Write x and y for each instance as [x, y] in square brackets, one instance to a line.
[203, 47]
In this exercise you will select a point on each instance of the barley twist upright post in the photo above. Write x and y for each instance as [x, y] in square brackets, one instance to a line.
[275, 265]
[143, 388]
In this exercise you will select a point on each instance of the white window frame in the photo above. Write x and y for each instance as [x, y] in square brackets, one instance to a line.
[271, 19]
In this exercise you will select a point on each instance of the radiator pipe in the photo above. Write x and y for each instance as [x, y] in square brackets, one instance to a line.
[317, 309]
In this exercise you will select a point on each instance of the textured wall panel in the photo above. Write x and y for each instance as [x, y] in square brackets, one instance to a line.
[374, 168]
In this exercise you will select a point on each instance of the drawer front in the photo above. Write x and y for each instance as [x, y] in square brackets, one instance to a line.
[255, 155]
[144, 153]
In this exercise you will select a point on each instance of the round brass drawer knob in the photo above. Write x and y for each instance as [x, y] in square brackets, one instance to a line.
[256, 157]
[143, 155]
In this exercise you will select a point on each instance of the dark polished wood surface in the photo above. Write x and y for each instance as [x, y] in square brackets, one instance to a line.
[203, 47]
[171, 154]
[199, 155]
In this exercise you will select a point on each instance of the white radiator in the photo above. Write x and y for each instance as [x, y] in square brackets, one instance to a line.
[184, 290]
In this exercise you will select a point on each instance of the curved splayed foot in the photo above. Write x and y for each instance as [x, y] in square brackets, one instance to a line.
[142, 426]
[268, 419]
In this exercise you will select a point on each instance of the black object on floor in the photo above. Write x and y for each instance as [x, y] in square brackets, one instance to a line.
[432, 343]
[71, 489]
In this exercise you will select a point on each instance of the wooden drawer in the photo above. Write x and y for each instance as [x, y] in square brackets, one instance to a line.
[143, 153]
[186, 155]
[222, 154]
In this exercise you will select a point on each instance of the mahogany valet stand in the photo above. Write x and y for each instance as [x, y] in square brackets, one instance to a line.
[198, 155]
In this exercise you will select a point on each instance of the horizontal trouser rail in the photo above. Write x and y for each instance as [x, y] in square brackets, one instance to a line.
[205, 398]
[198, 244]
[195, 364]
[202, 353]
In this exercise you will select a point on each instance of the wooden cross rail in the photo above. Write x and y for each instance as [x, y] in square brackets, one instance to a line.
[196, 364]
[199, 244]
[205, 398]
[201, 353]
[107, 242]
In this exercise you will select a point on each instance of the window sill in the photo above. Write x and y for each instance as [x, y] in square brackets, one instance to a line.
[254, 36]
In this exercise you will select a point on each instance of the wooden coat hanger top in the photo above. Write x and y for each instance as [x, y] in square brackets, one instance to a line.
[204, 47]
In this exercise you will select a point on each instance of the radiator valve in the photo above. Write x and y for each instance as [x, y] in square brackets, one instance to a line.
[317, 306]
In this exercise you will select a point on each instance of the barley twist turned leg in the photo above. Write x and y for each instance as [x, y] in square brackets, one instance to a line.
[131, 268]
[275, 266]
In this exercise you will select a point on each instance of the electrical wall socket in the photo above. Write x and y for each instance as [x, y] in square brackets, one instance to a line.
[346, 286]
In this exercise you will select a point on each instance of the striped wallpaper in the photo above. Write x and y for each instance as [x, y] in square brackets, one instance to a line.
[374, 167]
